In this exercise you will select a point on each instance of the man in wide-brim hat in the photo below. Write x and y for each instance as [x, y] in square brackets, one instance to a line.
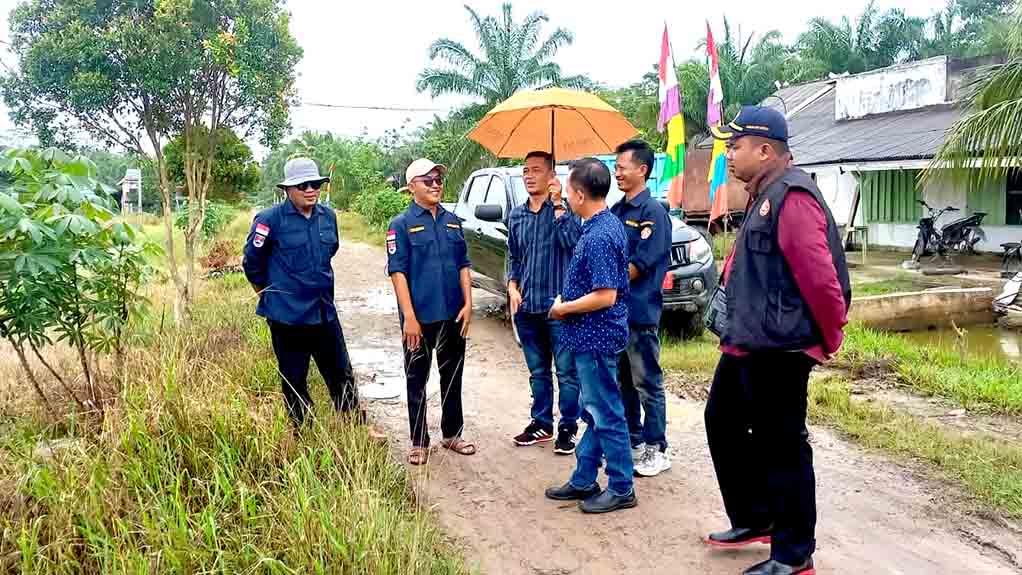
[287, 260]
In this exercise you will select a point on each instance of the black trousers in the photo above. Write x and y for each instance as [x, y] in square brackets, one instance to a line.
[445, 338]
[756, 428]
[294, 345]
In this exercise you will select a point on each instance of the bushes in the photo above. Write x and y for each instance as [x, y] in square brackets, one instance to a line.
[380, 206]
[218, 215]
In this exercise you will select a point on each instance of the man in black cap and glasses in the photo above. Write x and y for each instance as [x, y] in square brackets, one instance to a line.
[787, 295]
[287, 260]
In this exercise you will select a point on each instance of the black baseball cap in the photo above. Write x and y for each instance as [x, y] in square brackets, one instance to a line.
[754, 121]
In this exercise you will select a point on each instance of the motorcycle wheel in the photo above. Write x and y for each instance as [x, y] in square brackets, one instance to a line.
[918, 250]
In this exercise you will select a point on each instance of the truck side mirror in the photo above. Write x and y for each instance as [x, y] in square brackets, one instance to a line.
[490, 213]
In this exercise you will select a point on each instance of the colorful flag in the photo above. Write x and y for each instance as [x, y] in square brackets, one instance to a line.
[671, 120]
[718, 180]
[717, 174]
[716, 94]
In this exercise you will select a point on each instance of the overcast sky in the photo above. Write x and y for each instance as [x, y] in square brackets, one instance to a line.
[369, 53]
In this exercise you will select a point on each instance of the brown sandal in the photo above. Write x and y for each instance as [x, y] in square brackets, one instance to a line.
[418, 455]
[459, 446]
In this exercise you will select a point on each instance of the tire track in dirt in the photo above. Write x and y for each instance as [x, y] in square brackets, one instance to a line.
[874, 516]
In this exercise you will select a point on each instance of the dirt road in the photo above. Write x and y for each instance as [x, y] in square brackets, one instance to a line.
[874, 516]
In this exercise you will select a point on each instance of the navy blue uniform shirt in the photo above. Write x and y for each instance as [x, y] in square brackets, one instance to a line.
[648, 227]
[288, 255]
[539, 248]
[600, 261]
[430, 253]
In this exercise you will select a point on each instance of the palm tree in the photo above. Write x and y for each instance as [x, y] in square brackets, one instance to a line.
[512, 58]
[874, 41]
[991, 131]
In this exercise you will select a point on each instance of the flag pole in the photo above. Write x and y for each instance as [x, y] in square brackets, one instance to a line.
[681, 110]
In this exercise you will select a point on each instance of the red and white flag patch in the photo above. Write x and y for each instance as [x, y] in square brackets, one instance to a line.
[261, 231]
[391, 242]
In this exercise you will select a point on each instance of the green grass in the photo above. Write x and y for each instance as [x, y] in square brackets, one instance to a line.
[983, 383]
[196, 469]
[355, 229]
[722, 244]
[694, 357]
[895, 284]
[989, 469]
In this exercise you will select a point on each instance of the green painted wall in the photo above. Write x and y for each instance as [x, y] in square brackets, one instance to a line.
[991, 199]
[890, 196]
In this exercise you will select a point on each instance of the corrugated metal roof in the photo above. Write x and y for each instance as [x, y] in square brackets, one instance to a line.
[788, 98]
[815, 137]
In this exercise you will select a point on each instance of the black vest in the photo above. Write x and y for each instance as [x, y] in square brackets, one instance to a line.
[765, 310]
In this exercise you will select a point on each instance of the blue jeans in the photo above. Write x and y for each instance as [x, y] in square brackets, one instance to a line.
[606, 430]
[642, 387]
[541, 343]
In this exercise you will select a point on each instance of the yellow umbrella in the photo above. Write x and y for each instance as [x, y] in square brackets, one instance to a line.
[566, 123]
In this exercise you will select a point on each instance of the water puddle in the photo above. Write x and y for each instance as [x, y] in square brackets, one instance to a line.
[379, 372]
[981, 341]
[376, 300]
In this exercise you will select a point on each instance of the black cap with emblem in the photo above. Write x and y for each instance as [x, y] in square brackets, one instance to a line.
[754, 121]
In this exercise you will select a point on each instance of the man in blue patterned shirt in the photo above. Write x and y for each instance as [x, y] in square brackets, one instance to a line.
[541, 236]
[595, 314]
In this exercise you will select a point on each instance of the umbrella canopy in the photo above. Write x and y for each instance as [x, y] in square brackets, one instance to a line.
[566, 123]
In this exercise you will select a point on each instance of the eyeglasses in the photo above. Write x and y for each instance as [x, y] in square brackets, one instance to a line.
[428, 181]
[307, 185]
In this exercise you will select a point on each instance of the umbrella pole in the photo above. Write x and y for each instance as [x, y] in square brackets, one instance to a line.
[553, 156]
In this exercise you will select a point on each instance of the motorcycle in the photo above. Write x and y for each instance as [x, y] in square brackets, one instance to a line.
[959, 236]
[1011, 259]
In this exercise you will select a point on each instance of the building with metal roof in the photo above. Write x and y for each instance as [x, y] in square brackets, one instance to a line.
[866, 138]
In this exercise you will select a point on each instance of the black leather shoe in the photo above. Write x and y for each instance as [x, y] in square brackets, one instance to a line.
[772, 567]
[738, 537]
[569, 492]
[606, 502]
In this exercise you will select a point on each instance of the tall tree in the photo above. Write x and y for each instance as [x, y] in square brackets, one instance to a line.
[873, 41]
[512, 57]
[991, 130]
[136, 74]
[235, 173]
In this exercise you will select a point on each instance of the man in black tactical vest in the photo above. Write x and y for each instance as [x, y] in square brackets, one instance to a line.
[787, 292]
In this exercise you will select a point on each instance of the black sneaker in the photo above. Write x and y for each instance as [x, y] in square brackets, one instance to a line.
[565, 444]
[534, 433]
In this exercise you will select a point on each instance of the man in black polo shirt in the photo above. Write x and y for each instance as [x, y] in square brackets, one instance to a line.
[648, 227]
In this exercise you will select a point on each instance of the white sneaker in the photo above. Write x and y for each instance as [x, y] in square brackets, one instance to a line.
[638, 452]
[653, 462]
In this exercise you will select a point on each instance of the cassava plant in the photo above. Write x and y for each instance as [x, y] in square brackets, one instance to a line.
[70, 271]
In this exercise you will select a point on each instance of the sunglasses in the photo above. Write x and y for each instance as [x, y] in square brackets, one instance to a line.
[309, 185]
[428, 181]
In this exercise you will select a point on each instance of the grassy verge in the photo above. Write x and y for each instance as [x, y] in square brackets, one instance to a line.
[696, 357]
[989, 469]
[355, 229]
[981, 383]
[894, 284]
[978, 383]
[195, 469]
